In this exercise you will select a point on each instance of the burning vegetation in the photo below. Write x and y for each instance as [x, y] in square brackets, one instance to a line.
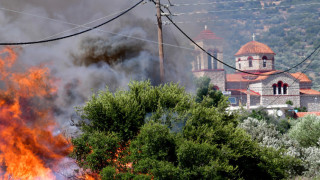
[30, 145]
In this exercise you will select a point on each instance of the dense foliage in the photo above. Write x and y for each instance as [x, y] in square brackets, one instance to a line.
[162, 132]
[301, 141]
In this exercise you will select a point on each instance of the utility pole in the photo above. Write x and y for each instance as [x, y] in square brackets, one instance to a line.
[160, 41]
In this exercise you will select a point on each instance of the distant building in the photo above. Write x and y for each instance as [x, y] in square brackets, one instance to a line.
[267, 88]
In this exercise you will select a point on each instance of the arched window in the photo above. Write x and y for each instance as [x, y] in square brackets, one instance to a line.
[279, 87]
[274, 88]
[285, 88]
[250, 61]
[209, 62]
[239, 63]
[264, 60]
[215, 62]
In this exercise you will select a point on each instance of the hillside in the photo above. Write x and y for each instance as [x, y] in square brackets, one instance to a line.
[289, 27]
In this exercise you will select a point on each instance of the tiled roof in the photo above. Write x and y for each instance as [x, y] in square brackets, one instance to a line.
[253, 93]
[242, 77]
[207, 34]
[301, 76]
[302, 114]
[254, 47]
[309, 91]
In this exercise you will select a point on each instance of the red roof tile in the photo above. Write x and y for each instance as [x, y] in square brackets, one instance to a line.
[254, 47]
[242, 77]
[207, 34]
[253, 93]
[301, 76]
[302, 114]
[309, 91]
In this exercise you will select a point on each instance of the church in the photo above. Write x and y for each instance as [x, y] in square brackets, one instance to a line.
[266, 87]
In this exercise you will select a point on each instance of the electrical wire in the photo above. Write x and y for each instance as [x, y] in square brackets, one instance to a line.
[190, 39]
[221, 2]
[77, 26]
[233, 10]
[304, 71]
[231, 19]
[99, 30]
[75, 34]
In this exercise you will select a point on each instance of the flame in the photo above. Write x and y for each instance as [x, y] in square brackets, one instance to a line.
[28, 149]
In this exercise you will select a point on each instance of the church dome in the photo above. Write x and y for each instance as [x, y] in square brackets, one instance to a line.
[254, 47]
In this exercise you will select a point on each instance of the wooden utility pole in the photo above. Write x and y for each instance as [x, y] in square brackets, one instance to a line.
[160, 41]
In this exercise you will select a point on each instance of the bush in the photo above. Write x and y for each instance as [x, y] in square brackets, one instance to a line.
[108, 173]
[306, 131]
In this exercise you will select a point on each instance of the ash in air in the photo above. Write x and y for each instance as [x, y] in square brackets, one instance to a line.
[90, 62]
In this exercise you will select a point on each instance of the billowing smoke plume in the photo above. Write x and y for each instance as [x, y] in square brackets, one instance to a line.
[90, 62]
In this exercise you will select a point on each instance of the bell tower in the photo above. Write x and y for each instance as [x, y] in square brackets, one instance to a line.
[205, 65]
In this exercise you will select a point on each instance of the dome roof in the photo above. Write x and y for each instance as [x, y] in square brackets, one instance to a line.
[207, 34]
[254, 47]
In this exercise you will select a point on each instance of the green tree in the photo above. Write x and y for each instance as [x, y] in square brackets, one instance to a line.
[95, 150]
[306, 131]
[124, 112]
[215, 97]
[131, 127]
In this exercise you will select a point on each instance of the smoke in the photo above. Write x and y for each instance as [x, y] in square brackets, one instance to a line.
[90, 62]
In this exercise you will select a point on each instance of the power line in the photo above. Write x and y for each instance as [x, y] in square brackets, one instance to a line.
[188, 37]
[99, 30]
[236, 10]
[77, 26]
[230, 19]
[221, 2]
[292, 82]
[68, 36]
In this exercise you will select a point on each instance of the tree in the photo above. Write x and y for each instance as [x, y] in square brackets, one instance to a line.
[124, 112]
[215, 97]
[306, 131]
[135, 127]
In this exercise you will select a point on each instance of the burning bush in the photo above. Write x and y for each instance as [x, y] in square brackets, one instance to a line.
[28, 148]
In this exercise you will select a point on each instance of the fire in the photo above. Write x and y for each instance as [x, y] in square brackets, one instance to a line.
[28, 149]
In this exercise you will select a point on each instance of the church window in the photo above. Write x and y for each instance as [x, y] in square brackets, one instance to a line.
[250, 61]
[279, 87]
[285, 88]
[274, 88]
[215, 63]
[209, 62]
[264, 60]
[239, 63]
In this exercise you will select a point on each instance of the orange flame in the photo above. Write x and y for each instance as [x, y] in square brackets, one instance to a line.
[28, 150]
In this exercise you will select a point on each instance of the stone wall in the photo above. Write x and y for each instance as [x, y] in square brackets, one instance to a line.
[255, 100]
[293, 91]
[305, 85]
[311, 102]
[218, 78]
[257, 62]
[237, 85]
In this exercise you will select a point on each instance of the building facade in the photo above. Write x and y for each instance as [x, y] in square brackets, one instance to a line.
[268, 87]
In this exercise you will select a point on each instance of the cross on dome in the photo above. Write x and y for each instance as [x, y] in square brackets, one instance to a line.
[253, 36]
